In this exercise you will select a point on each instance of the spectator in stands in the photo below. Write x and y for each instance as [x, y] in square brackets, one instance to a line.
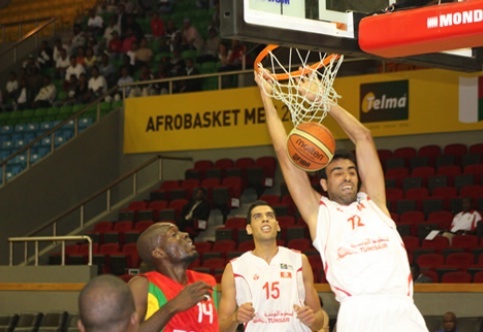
[95, 46]
[229, 61]
[30, 63]
[146, 75]
[174, 36]
[81, 56]
[46, 95]
[190, 85]
[25, 95]
[126, 61]
[125, 78]
[466, 220]
[128, 41]
[418, 276]
[134, 26]
[143, 55]
[164, 46]
[210, 50]
[176, 63]
[75, 68]
[107, 304]
[171, 297]
[111, 27]
[238, 53]
[121, 19]
[95, 23]
[90, 59]
[243, 300]
[45, 55]
[191, 38]
[97, 83]
[61, 64]
[114, 48]
[58, 46]
[195, 214]
[83, 94]
[107, 69]
[449, 323]
[223, 54]
[35, 80]
[70, 87]
[11, 87]
[131, 54]
[157, 26]
[162, 73]
[78, 39]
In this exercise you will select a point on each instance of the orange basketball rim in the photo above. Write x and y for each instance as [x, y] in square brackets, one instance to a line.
[286, 75]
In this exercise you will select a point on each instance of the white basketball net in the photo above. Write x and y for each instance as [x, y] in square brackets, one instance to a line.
[319, 79]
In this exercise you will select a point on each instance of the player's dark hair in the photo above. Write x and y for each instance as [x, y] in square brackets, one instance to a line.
[339, 154]
[254, 205]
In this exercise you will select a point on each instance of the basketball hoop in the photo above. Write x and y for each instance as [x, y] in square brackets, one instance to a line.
[287, 79]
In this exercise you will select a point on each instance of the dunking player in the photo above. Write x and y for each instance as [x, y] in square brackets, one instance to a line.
[270, 288]
[363, 254]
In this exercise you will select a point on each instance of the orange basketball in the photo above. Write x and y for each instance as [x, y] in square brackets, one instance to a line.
[310, 146]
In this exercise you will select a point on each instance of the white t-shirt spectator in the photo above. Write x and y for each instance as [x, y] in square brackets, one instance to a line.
[77, 71]
[46, 93]
[11, 86]
[98, 84]
[95, 22]
[465, 221]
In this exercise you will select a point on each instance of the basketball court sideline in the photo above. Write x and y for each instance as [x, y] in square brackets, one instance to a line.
[354, 30]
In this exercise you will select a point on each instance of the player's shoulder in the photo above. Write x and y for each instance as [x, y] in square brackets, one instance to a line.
[294, 253]
[200, 276]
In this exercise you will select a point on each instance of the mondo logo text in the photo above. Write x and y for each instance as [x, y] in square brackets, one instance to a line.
[456, 18]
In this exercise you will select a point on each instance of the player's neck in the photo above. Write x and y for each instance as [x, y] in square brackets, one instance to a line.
[174, 272]
[265, 250]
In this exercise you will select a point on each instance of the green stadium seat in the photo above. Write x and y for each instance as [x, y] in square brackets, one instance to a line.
[105, 108]
[27, 115]
[4, 117]
[117, 104]
[189, 54]
[210, 83]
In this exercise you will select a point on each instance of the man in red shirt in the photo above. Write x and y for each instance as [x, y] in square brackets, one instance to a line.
[170, 297]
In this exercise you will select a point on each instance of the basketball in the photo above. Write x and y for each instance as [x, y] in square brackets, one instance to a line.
[310, 146]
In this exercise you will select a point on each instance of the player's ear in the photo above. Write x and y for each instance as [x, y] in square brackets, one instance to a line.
[249, 229]
[158, 253]
[323, 183]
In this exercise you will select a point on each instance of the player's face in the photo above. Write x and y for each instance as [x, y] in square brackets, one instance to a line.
[341, 182]
[177, 245]
[449, 323]
[264, 224]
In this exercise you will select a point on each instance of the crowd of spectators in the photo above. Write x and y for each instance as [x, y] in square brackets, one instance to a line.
[112, 45]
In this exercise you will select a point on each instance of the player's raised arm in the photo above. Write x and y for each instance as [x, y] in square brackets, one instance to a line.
[304, 196]
[369, 167]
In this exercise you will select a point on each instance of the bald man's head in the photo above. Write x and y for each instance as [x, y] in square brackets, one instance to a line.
[106, 304]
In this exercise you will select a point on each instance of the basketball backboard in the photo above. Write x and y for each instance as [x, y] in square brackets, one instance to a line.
[325, 25]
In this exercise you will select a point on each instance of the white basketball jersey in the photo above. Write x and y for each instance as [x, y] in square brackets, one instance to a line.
[362, 251]
[272, 288]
